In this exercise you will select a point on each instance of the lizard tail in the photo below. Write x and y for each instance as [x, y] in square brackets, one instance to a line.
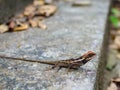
[28, 60]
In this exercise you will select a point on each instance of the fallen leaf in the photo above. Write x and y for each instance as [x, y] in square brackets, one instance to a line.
[115, 84]
[29, 10]
[20, 28]
[115, 80]
[12, 24]
[20, 15]
[113, 46]
[117, 41]
[18, 22]
[48, 1]
[113, 34]
[118, 56]
[112, 87]
[47, 10]
[33, 23]
[118, 32]
[40, 18]
[38, 2]
[41, 25]
[31, 16]
[3, 28]
[111, 62]
[81, 3]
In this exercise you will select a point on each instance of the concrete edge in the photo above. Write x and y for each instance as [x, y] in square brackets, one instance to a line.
[99, 83]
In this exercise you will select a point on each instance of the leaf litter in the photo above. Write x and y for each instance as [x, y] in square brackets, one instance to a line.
[32, 16]
[113, 62]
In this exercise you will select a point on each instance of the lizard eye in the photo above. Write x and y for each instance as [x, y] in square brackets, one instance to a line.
[84, 61]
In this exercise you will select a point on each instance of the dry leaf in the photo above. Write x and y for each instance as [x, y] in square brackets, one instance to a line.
[117, 33]
[81, 3]
[33, 23]
[22, 27]
[113, 34]
[118, 56]
[11, 24]
[112, 87]
[117, 41]
[38, 2]
[115, 84]
[42, 26]
[48, 1]
[111, 61]
[32, 15]
[115, 80]
[113, 46]
[3, 28]
[40, 18]
[29, 10]
[47, 10]
[20, 15]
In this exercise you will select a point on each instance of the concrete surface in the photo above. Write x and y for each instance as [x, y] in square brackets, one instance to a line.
[71, 32]
[9, 7]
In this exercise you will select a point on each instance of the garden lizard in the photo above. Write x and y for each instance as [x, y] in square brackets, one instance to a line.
[73, 63]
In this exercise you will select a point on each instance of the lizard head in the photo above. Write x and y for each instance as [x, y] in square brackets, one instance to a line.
[89, 55]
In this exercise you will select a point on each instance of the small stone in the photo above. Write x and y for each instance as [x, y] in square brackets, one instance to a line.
[3, 28]
[9, 67]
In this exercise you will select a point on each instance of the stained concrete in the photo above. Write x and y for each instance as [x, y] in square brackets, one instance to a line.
[71, 32]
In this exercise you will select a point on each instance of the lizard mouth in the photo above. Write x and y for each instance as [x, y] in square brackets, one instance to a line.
[93, 56]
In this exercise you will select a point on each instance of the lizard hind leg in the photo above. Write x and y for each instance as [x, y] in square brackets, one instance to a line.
[50, 68]
[69, 68]
[72, 67]
[59, 68]
[54, 66]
